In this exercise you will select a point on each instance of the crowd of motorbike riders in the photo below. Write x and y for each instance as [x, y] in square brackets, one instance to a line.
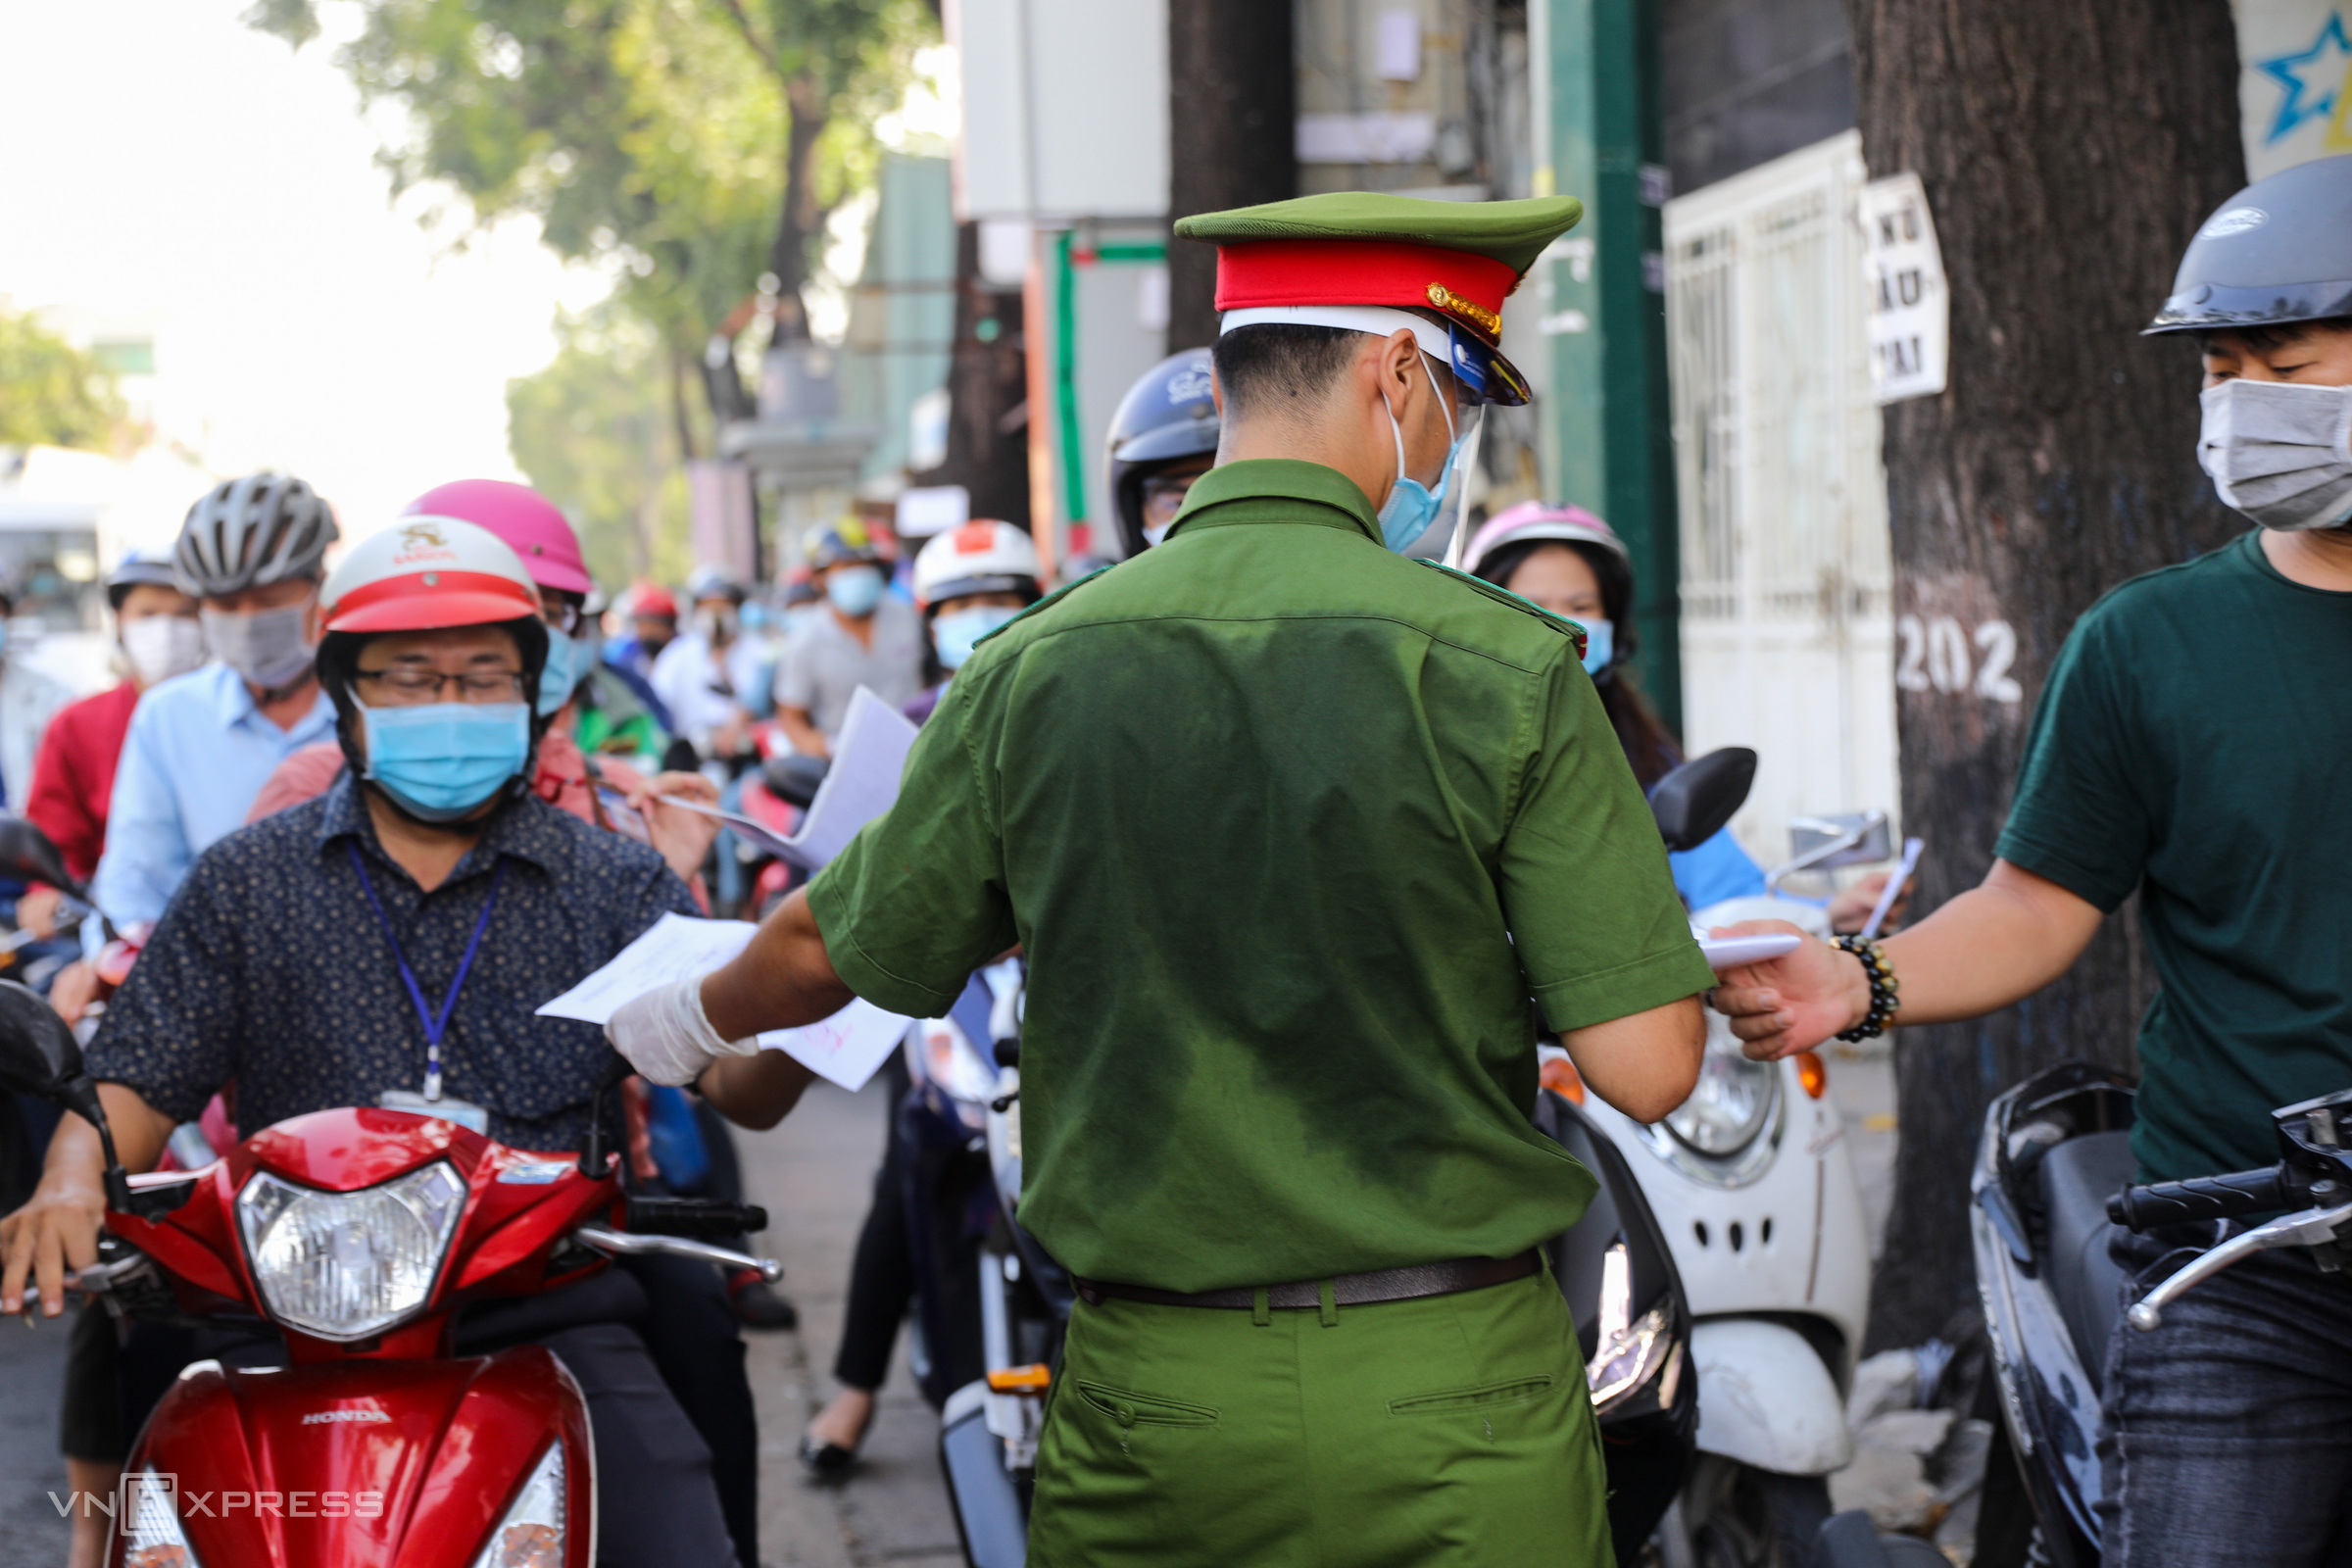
[258, 684]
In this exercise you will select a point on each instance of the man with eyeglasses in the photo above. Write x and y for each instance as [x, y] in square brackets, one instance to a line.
[1298, 836]
[1163, 437]
[387, 944]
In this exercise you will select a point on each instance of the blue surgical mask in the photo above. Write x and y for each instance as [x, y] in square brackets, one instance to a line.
[1410, 507]
[853, 590]
[955, 632]
[440, 760]
[1601, 644]
[562, 673]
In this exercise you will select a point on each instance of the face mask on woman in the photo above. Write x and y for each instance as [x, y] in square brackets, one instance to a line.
[565, 662]
[270, 647]
[440, 760]
[161, 647]
[1601, 644]
[853, 590]
[955, 632]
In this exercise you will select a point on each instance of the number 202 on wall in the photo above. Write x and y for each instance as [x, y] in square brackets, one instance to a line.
[1941, 655]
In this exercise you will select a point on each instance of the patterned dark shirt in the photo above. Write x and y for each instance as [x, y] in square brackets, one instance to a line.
[270, 969]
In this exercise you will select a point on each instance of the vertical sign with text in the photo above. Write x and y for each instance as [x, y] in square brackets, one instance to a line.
[1909, 328]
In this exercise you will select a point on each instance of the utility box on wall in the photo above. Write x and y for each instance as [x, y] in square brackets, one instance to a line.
[1063, 163]
[1065, 108]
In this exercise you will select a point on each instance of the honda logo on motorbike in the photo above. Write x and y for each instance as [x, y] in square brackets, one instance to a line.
[320, 1418]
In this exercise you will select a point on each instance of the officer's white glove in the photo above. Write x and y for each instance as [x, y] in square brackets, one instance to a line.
[666, 1036]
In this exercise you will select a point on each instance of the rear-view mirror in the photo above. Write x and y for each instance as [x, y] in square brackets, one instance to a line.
[1697, 800]
[38, 1054]
[794, 777]
[27, 855]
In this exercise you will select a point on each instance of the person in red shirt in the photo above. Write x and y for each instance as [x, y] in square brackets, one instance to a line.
[74, 771]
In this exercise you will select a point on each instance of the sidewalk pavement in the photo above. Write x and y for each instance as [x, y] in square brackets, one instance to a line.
[814, 1173]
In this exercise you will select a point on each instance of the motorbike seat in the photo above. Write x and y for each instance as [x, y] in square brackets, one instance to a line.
[2078, 1177]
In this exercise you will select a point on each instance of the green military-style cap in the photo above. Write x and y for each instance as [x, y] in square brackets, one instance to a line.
[1373, 263]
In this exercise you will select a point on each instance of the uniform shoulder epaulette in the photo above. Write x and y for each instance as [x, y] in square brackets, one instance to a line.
[1503, 596]
[1056, 596]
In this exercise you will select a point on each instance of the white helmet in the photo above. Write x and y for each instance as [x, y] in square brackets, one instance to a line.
[982, 557]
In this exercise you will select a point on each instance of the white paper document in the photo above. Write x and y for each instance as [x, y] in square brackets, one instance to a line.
[869, 759]
[847, 1047]
[676, 947]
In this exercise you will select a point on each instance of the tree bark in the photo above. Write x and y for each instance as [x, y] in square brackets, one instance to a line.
[2068, 153]
[799, 216]
[987, 451]
[1232, 106]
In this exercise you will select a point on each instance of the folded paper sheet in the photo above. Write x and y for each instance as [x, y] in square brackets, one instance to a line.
[846, 1048]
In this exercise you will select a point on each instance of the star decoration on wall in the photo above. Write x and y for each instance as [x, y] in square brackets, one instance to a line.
[2312, 79]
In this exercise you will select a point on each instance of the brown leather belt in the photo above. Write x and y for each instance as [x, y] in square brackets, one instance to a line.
[1346, 1290]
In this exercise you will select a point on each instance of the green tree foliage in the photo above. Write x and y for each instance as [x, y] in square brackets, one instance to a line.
[690, 145]
[51, 393]
[594, 432]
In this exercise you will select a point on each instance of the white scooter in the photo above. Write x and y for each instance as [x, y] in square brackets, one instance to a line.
[1751, 1182]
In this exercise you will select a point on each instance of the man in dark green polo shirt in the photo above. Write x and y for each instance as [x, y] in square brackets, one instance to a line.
[1298, 836]
[2190, 747]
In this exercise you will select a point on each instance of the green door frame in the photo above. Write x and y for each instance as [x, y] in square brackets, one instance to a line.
[1608, 437]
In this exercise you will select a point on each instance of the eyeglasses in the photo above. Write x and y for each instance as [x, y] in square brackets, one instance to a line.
[407, 687]
[560, 616]
[1164, 493]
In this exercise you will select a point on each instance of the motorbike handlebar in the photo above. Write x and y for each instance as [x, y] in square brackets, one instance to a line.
[2201, 1197]
[706, 1217]
[621, 1241]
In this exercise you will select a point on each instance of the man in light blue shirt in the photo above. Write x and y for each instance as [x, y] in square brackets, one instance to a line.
[202, 746]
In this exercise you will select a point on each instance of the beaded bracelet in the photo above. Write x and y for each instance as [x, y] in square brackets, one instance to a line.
[1883, 987]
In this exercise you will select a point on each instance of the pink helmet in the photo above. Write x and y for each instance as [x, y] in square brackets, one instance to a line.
[1537, 520]
[532, 525]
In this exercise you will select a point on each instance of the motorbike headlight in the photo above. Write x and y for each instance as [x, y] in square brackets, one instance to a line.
[948, 1060]
[344, 1266]
[532, 1534]
[151, 1531]
[1733, 1100]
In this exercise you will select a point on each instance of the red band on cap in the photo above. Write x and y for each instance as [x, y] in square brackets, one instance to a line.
[424, 599]
[1309, 272]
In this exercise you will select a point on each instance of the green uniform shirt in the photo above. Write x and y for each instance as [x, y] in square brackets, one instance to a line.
[2192, 743]
[1268, 806]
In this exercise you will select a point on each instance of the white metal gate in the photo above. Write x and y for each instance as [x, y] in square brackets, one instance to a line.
[1787, 628]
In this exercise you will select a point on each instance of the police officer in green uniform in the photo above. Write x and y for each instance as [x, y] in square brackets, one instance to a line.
[1300, 837]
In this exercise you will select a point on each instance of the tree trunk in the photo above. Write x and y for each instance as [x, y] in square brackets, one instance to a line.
[1232, 106]
[799, 216]
[987, 451]
[2068, 153]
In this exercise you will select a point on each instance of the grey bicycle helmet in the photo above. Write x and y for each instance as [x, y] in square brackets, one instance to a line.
[2278, 251]
[252, 532]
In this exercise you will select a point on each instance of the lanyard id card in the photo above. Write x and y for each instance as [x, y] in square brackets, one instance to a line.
[465, 1112]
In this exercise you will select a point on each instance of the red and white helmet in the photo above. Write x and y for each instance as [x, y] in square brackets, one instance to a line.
[982, 557]
[425, 572]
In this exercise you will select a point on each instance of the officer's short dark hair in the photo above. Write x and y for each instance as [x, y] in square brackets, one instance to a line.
[1267, 365]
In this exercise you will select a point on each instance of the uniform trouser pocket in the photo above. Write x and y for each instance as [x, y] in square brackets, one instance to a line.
[1451, 1430]
[1128, 1407]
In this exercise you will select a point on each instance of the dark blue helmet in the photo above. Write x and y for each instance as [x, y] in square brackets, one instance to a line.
[2277, 251]
[1166, 415]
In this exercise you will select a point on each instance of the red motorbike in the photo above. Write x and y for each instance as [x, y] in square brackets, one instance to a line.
[358, 1235]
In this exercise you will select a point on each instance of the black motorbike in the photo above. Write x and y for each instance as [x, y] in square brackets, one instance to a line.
[2053, 1176]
